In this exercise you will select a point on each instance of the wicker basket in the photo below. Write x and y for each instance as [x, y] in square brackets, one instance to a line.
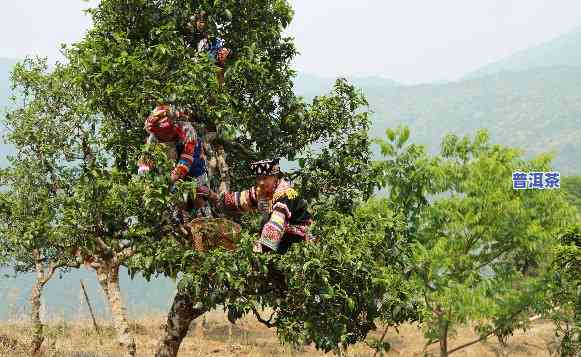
[211, 233]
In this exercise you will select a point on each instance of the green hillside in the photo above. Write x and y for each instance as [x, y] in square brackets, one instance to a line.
[538, 110]
[562, 51]
[5, 69]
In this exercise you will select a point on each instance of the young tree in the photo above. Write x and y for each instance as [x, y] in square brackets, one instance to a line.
[572, 186]
[109, 216]
[479, 245]
[563, 292]
[35, 184]
[82, 211]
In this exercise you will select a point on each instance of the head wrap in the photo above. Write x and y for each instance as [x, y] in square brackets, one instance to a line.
[266, 167]
[160, 123]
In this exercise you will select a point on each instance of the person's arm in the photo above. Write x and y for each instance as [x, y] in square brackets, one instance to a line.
[274, 229]
[187, 135]
[144, 165]
[240, 202]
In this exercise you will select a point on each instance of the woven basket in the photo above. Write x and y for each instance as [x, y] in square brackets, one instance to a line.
[211, 233]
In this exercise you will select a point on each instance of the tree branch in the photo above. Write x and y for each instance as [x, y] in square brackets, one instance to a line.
[267, 323]
[490, 260]
[101, 243]
[75, 265]
[51, 269]
[472, 342]
[381, 340]
[233, 146]
[493, 332]
[125, 254]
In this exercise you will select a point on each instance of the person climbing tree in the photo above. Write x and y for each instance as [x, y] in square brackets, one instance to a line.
[286, 218]
[173, 130]
[199, 39]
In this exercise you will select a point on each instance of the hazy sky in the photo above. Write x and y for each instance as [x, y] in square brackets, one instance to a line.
[409, 41]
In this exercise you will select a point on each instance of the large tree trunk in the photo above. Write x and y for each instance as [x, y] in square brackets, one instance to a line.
[181, 315]
[102, 278]
[217, 165]
[108, 277]
[37, 335]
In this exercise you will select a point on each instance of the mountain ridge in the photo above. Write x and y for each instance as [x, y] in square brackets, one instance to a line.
[564, 50]
[309, 85]
[537, 110]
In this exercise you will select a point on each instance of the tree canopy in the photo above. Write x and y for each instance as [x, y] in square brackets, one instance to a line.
[135, 57]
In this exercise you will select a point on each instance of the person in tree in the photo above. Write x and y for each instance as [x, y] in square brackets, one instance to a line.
[286, 218]
[199, 39]
[173, 130]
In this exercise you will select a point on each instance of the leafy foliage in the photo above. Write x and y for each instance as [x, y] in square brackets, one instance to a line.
[478, 246]
[572, 186]
[328, 293]
[564, 291]
[536, 110]
[36, 183]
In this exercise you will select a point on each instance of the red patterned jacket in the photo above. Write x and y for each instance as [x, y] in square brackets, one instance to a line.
[171, 127]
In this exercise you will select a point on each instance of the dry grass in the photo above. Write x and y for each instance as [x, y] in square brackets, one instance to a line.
[217, 337]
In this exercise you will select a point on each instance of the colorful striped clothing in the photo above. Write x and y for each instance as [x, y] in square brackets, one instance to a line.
[189, 151]
[202, 42]
[286, 219]
[211, 46]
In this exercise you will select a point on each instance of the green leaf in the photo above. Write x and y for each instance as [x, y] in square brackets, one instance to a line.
[390, 134]
[350, 304]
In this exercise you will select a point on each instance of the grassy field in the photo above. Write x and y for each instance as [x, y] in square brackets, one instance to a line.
[217, 337]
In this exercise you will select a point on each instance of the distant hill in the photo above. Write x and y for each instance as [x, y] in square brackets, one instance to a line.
[562, 51]
[309, 85]
[537, 110]
[5, 69]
